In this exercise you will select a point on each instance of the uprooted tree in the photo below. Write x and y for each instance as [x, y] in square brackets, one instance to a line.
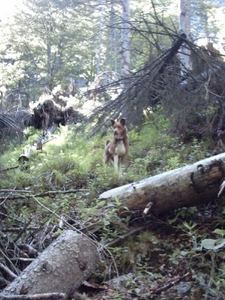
[43, 116]
[191, 99]
[47, 116]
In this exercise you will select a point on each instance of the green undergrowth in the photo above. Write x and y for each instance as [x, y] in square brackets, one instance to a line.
[70, 159]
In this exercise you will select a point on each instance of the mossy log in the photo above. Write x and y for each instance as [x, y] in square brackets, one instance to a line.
[62, 266]
[188, 186]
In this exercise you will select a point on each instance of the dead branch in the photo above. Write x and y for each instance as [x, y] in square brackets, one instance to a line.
[124, 236]
[49, 193]
[10, 168]
[8, 271]
[12, 192]
[45, 296]
[170, 284]
[18, 229]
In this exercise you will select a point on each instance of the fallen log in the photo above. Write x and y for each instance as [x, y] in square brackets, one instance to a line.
[60, 268]
[188, 186]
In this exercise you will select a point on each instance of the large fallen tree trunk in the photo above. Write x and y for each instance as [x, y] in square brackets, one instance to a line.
[62, 267]
[188, 186]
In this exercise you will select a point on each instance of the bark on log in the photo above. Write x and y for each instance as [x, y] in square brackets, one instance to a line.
[188, 186]
[63, 266]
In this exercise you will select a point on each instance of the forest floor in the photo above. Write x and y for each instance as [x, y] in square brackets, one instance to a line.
[177, 255]
[168, 260]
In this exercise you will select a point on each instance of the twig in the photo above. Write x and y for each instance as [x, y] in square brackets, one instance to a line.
[46, 296]
[10, 168]
[8, 271]
[52, 212]
[13, 191]
[212, 273]
[222, 186]
[169, 285]
[61, 192]
[12, 244]
[28, 192]
[9, 262]
[122, 237]
[16, 229]
[22, 230]
[46, 193]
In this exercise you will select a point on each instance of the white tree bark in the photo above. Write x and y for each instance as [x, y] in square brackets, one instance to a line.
[63, 266]
[125, 43]
[184, 27]
[101, 26]
[112, 42]
[184, 187]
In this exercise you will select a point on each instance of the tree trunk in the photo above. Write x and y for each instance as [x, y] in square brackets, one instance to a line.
[188, 186]
[125, 44]
[184, 24]
[63, 266]
[101, 26]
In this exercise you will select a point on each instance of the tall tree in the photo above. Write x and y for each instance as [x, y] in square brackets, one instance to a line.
[101, 9]
[112, 46]
[125, 42]
[184, 27]
[50, 40]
